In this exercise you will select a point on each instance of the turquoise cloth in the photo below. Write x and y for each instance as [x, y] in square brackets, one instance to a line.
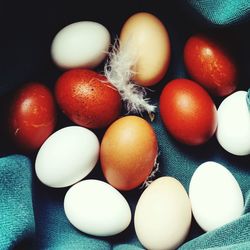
[31, 214]
[222, 12]
[17, 227]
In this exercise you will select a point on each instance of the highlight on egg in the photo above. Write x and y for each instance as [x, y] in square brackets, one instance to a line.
[146, 37]
[141, 59]
[67, 156]
[87, 98]
[128, 152]
[31, 116]
[83, 44]
[209, 63]
[188, 112]
[233, 132]
[215, 195]
[96, 208]
[163, 214]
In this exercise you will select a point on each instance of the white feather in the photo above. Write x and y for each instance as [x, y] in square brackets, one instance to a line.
[119, 72]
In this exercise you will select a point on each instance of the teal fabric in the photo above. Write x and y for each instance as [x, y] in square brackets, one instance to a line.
[31, 214]
[226, 12]
[17, 227]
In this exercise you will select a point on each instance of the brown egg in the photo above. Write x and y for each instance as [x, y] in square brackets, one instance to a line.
[87, 98]
[146, 35]
[128, 152]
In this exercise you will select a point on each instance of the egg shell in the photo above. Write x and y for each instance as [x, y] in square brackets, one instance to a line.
[87, 98]
[215, 195]
[82, 44]
[67, 156]
[188, 112]
[31, 116]
[209, 63]
[94, 207]
[163, 215]
[150, 42]
[233, 132]
[128, 152]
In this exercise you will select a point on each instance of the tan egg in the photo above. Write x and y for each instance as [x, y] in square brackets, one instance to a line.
[147, 37]
[128, 152]
[163, 215]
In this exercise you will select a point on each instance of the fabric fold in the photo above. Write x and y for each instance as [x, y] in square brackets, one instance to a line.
[17, 227]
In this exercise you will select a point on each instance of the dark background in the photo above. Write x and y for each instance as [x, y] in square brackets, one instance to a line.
[28, 27]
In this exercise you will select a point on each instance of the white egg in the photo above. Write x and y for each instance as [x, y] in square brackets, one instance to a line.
[67, 156]
[95, 207]
[163, 215]
[233, 132]
[215, 195]
[80, 45]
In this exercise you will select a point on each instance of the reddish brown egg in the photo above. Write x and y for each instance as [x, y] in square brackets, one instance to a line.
[188, 112]
[32, 116]
[209, 64]
[87, 98]
[128, 152]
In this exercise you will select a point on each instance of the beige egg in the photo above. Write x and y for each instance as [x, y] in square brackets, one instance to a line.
[163, 215]
[146, 37]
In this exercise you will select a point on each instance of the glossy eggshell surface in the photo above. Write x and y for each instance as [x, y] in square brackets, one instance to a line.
[80, 45]
[209, 64]
[67, 156]
[215, 195]
[87, 99]
[96, 208]
[233, 132]
[188, 112]
[163, 215]
[32, 116]
[146, 36]
[128, 152]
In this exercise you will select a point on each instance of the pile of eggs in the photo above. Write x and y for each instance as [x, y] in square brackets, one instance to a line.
[129, 149]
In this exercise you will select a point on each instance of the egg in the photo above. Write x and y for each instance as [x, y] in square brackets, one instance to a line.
[209, 63]
[188, 112]
[215, 195]
[94, 207]
[146, 37]
[80, 45]
[87, 98]
[233, 132]
[31, 116]
[163, 214]
[128, 152]
[67, 156]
